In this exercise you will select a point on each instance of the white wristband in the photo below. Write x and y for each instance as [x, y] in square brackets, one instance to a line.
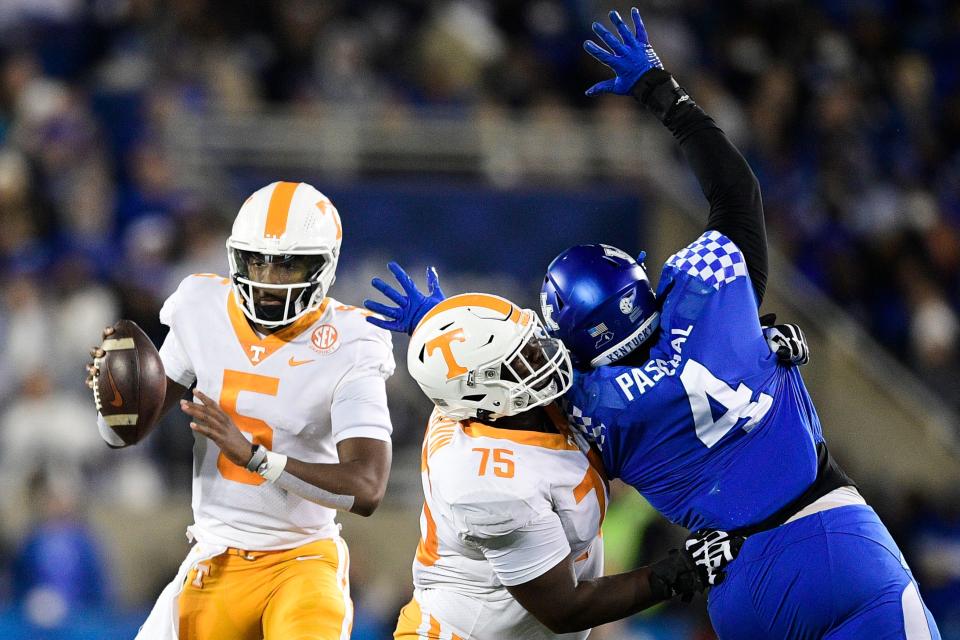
[273, 466]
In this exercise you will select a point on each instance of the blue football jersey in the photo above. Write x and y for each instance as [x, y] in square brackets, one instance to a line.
[711, 429]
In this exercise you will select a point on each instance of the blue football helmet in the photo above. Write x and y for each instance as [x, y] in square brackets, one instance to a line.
[597, 299]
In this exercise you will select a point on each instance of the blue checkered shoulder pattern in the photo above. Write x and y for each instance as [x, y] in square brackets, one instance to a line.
[712, 258]
[594, 431]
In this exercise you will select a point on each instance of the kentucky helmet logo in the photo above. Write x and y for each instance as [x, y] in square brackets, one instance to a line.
[626, 302]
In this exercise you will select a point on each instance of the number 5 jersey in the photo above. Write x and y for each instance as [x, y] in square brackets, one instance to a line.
[298, 391]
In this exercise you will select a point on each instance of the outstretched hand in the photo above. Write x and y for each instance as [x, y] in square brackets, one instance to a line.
[630, 56]
[412, 304]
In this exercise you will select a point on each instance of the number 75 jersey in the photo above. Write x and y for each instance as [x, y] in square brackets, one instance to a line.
[298, 391]
[711, 429]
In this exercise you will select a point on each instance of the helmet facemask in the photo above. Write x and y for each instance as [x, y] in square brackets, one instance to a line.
[540, 370]
[302, 283]
[535, 373]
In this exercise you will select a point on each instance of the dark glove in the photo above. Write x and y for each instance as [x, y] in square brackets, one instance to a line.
[786, 340]
[712, 550]
[699, 565]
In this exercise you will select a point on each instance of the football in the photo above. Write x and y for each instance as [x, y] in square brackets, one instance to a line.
[131, 384]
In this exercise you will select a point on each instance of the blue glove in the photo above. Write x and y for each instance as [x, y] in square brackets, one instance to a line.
[410, 307]
[631, 58]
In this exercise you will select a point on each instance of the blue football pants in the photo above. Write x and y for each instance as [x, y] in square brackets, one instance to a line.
[833, 575]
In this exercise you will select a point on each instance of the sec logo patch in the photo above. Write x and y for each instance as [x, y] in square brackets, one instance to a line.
[325, 339]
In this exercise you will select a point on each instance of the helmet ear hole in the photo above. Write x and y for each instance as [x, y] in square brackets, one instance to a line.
[478, 397]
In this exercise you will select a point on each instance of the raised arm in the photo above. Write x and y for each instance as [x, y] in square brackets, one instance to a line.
[732, 190]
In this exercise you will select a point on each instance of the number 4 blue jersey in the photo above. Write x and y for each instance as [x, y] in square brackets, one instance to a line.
[711, 429]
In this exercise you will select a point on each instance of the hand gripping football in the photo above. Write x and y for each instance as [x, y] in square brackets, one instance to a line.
[130, 384]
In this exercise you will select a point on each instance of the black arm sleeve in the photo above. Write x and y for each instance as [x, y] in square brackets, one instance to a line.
[736, 209]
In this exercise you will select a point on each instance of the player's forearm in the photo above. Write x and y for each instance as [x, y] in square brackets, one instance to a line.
[731, 188]
[356, 483]
[603, 600]
[348, 486]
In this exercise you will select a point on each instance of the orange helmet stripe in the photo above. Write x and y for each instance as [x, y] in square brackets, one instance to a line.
[279, 209]
[475, 300]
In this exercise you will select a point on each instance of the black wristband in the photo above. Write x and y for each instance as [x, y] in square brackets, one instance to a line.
[257, 456]
[660, 93]
[675, 575]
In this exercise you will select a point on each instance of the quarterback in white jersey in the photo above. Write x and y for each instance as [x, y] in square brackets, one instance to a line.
[291, 423]
[513, 500]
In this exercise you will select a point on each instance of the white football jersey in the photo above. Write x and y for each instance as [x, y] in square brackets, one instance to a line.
[502, 507]
[298, 391]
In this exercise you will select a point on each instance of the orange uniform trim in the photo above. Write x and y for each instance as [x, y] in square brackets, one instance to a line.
[267, 345]
[428, 549]
[326, 207]
[440, 432]
[278, 211]
[429, 545]
[211, 275]
[411, 617]
[554, 441]
[350, 307]
[412, 624]
[440, 436]
[508, 309]
[593, 481]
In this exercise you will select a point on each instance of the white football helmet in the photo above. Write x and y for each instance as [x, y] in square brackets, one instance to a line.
[289, 224]
[480, 356]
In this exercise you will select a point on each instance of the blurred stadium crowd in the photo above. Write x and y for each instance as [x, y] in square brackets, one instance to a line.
[848, 110]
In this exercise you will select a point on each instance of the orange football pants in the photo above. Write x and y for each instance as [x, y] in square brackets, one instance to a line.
[414, 625]
[294, 594]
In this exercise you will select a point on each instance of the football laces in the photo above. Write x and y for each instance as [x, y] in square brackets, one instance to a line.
[96, 383]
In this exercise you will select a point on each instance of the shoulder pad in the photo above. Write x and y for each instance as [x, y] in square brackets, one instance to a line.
[353, 320]
[193, 289]
[712, 258]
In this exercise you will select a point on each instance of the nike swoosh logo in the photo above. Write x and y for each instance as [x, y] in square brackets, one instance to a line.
[297, 363]
[117, 398]
[309, 557]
